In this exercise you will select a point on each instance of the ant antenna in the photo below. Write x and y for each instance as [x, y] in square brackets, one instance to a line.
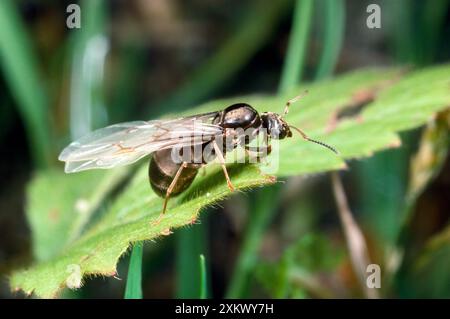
[306, 138]
[293, 100]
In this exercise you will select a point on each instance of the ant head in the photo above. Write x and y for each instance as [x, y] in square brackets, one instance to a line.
[275, 125]
[278, 128]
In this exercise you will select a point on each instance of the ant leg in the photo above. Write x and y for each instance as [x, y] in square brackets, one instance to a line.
[268, 145]
[293, 100]
[169, 191]
[172, 185]
[259, 153]
[203, 171]
[222, 163]
[252, 155]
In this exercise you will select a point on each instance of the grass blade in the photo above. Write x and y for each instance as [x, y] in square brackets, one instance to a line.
[433, 20]
[298, 43]
[87, 110]
[203, 281]
[333, 34]
[133, 290]
[20, 68]
[190, 244]
[404, 39]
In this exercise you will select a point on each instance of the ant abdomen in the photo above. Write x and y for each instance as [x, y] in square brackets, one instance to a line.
[162, 171]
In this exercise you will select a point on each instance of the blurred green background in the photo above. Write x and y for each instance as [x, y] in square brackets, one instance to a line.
[144, 58]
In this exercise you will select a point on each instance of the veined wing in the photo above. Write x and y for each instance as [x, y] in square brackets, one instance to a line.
[125, 143]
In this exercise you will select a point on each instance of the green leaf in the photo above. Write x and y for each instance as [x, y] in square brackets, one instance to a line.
[58, 220]
[402, 101]
[129, 220]
[425, 165]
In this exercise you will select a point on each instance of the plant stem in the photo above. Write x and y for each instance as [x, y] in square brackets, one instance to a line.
[356, 243]
[133, 289]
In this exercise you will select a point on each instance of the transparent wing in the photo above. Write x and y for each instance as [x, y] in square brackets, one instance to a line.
[125, 143]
